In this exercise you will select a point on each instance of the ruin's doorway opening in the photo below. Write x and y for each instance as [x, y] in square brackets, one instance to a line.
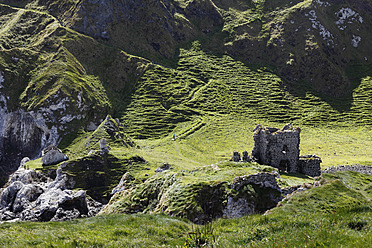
[284, 165]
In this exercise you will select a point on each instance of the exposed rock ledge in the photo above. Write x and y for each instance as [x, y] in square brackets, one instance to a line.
[358, 168]
[29, 195]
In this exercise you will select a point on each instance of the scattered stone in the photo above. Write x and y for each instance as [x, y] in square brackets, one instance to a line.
[236, 156]
[215, 167]
[246, 157]
[357, 168]
[163, 167]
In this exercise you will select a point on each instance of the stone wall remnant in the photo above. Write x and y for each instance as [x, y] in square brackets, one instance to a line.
[310, 165]
[236, 156]
[279, 148]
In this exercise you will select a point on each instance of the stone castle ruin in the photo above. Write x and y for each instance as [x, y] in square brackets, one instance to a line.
[279, 148]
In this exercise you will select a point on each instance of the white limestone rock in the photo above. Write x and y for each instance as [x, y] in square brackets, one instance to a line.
[27, 194]
[8, 194]
[42, 199]
[356, 40]
[347, 16]
[53, 155]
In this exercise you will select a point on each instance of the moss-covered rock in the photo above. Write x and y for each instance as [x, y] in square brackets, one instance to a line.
[202, 194]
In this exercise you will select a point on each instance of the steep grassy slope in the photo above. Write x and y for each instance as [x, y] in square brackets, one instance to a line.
[39, 71]
[208, 72]
[206, 87]
[206, 76]
[203, 84]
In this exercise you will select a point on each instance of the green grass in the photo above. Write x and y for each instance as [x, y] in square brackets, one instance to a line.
[222, 134]
[313, 218]
[344, 228]
[204, 85]
[34, 164]
[102, 231]
[211, 101]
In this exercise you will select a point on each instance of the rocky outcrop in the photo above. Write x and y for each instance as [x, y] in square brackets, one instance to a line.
[124, 183]
[31, 196]
[52, 155]
[198, 201]
[22, 134]
[150, 26]
[103, 146]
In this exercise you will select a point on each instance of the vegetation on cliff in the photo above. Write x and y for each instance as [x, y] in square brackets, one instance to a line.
[138, 73]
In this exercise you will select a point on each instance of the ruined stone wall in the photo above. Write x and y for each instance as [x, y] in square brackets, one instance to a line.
[277, 148]
[310, 165]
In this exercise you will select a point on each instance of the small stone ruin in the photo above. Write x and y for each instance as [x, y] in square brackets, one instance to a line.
[279, 148]
[51, 155]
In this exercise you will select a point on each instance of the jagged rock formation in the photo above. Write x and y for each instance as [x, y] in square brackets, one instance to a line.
[124, 183]
[239, 205]
[22, 134]
[32, 196]
[99, 174]
[280, 149]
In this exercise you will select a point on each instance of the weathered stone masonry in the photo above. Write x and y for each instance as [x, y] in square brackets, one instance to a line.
[280, 148]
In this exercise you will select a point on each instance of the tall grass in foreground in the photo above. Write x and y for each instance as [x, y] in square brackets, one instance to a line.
[342, 228]
[345, 228]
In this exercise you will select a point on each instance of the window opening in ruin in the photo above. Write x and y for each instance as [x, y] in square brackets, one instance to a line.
[284, 165]
[285, 149]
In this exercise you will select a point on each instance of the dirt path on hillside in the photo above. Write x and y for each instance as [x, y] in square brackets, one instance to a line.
[181, 156]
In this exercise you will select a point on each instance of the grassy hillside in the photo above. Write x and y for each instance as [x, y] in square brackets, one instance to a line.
[207, 72]
[322, 221]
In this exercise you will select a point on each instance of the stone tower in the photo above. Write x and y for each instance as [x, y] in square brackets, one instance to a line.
[277, 147]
